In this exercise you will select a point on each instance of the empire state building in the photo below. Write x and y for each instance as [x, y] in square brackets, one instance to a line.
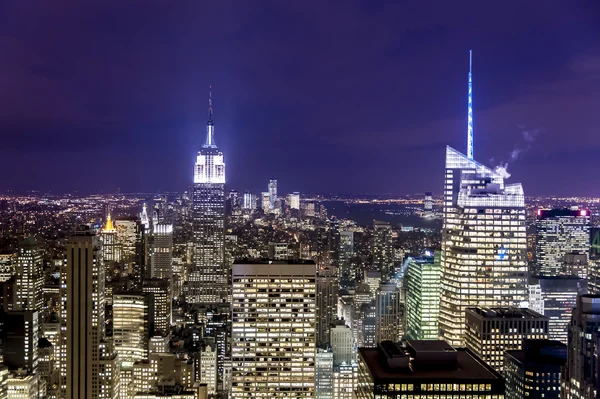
[208, 277]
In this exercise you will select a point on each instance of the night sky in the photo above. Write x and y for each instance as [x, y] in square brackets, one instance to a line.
[334, 97]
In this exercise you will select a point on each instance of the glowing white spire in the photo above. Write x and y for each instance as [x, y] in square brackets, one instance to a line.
[470, 110]
[210, 128]
[144, 217]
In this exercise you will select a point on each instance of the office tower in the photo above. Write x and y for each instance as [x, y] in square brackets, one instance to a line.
[274, 305]
[280, 251]
[19, 340]
[26, 386]
[388, 313]
[162, 375]
[372, 279]
[158, 344]
[294, 201]
[324, 374]
[131, 327]
[132, 239]
[265, 202]
[208, 277]
[383, 251]
[346, 253]
[309, 209]
[345, 380]
[327, 298]
[8, 294]
[8, 263]
[427, 370]
[579, 379]
[29, 276]
[594, 261]
[428, 202]
[560, 232]
[342, 343]
[162, 256]
[249, 201]
[423, 297]
[48, 368]
[144, 219]
[534, 371]
[272, 195]
[364, 323]
[160, 308]
[484, 248]
[576, 264]
[333, 242]
[208, 369]
[557, 297]
[110, 247]
[88, 361]
[492, 331]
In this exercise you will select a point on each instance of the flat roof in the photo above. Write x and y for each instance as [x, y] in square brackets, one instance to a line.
[265, 261]
[468, 367]
[506, 313]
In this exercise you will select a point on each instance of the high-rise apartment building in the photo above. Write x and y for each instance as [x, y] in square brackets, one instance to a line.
[208, 276]
[327, 298]
[29, 276]
[560, 232]
[580, 377]
[389, 313]
[423, 297]
[382, 249]
[89, 366]
[273, 310]
[534, 371]
[484, 247]
[556, 297]
[492, 331]
[425, 370]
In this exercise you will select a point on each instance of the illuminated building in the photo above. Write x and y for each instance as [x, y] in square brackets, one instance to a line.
[48, 366]
[280, 251]
[346, 253]
[144, 219]
[345, 381]
[131, 327]
[162, 375]
[19, 386]
[372, 279]
[327, 298]
[534, 371]
[388, 313]
[294, 201]
[162, 260]
[342, 343]
[29, 276]
[272, 195]
[274, 306]
[364, 324]
[132, 239]
[425, 370]
[484, 248]
[423, 297]
[561, 232]
[324, 374]
[159, 290]
[110, 247]
[208, 369]
[208, 277]
[19, 339]
[8, 263]
[579, 379]
[428, 202]
[249, 201]
[558, 297]
[492, 331]
[265, 201]
[383, 251]
[88, 362]
[333, 242]
[594, 261]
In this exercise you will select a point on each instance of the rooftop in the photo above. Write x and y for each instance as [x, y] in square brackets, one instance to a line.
[505, 313]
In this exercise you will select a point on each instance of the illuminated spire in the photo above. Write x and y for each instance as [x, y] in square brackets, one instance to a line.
[144, 217]
[108, 227]
[470, 110]
[210, 128]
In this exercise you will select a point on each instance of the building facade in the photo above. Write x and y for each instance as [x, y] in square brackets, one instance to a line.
[484, 247]
[327, 299]
[274, 304]
[423, 297]
[383, 250]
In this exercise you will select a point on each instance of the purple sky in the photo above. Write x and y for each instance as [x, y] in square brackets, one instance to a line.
[342, 96]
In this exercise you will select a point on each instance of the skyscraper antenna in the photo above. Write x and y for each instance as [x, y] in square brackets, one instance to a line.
[210, 108]
[470, 109]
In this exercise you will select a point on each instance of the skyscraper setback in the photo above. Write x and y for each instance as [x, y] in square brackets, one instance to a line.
[208, 277]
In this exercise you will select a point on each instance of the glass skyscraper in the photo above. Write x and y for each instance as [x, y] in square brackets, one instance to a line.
[208, 277]
[423, 297]
[484, 248]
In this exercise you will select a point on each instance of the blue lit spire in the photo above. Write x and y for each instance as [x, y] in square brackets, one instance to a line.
[210, 128]
[470, 110]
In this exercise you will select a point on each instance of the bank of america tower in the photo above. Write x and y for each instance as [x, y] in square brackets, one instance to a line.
[208, 276]
[484, 248]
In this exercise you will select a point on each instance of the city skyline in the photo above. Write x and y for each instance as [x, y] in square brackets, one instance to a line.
[533, 95]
